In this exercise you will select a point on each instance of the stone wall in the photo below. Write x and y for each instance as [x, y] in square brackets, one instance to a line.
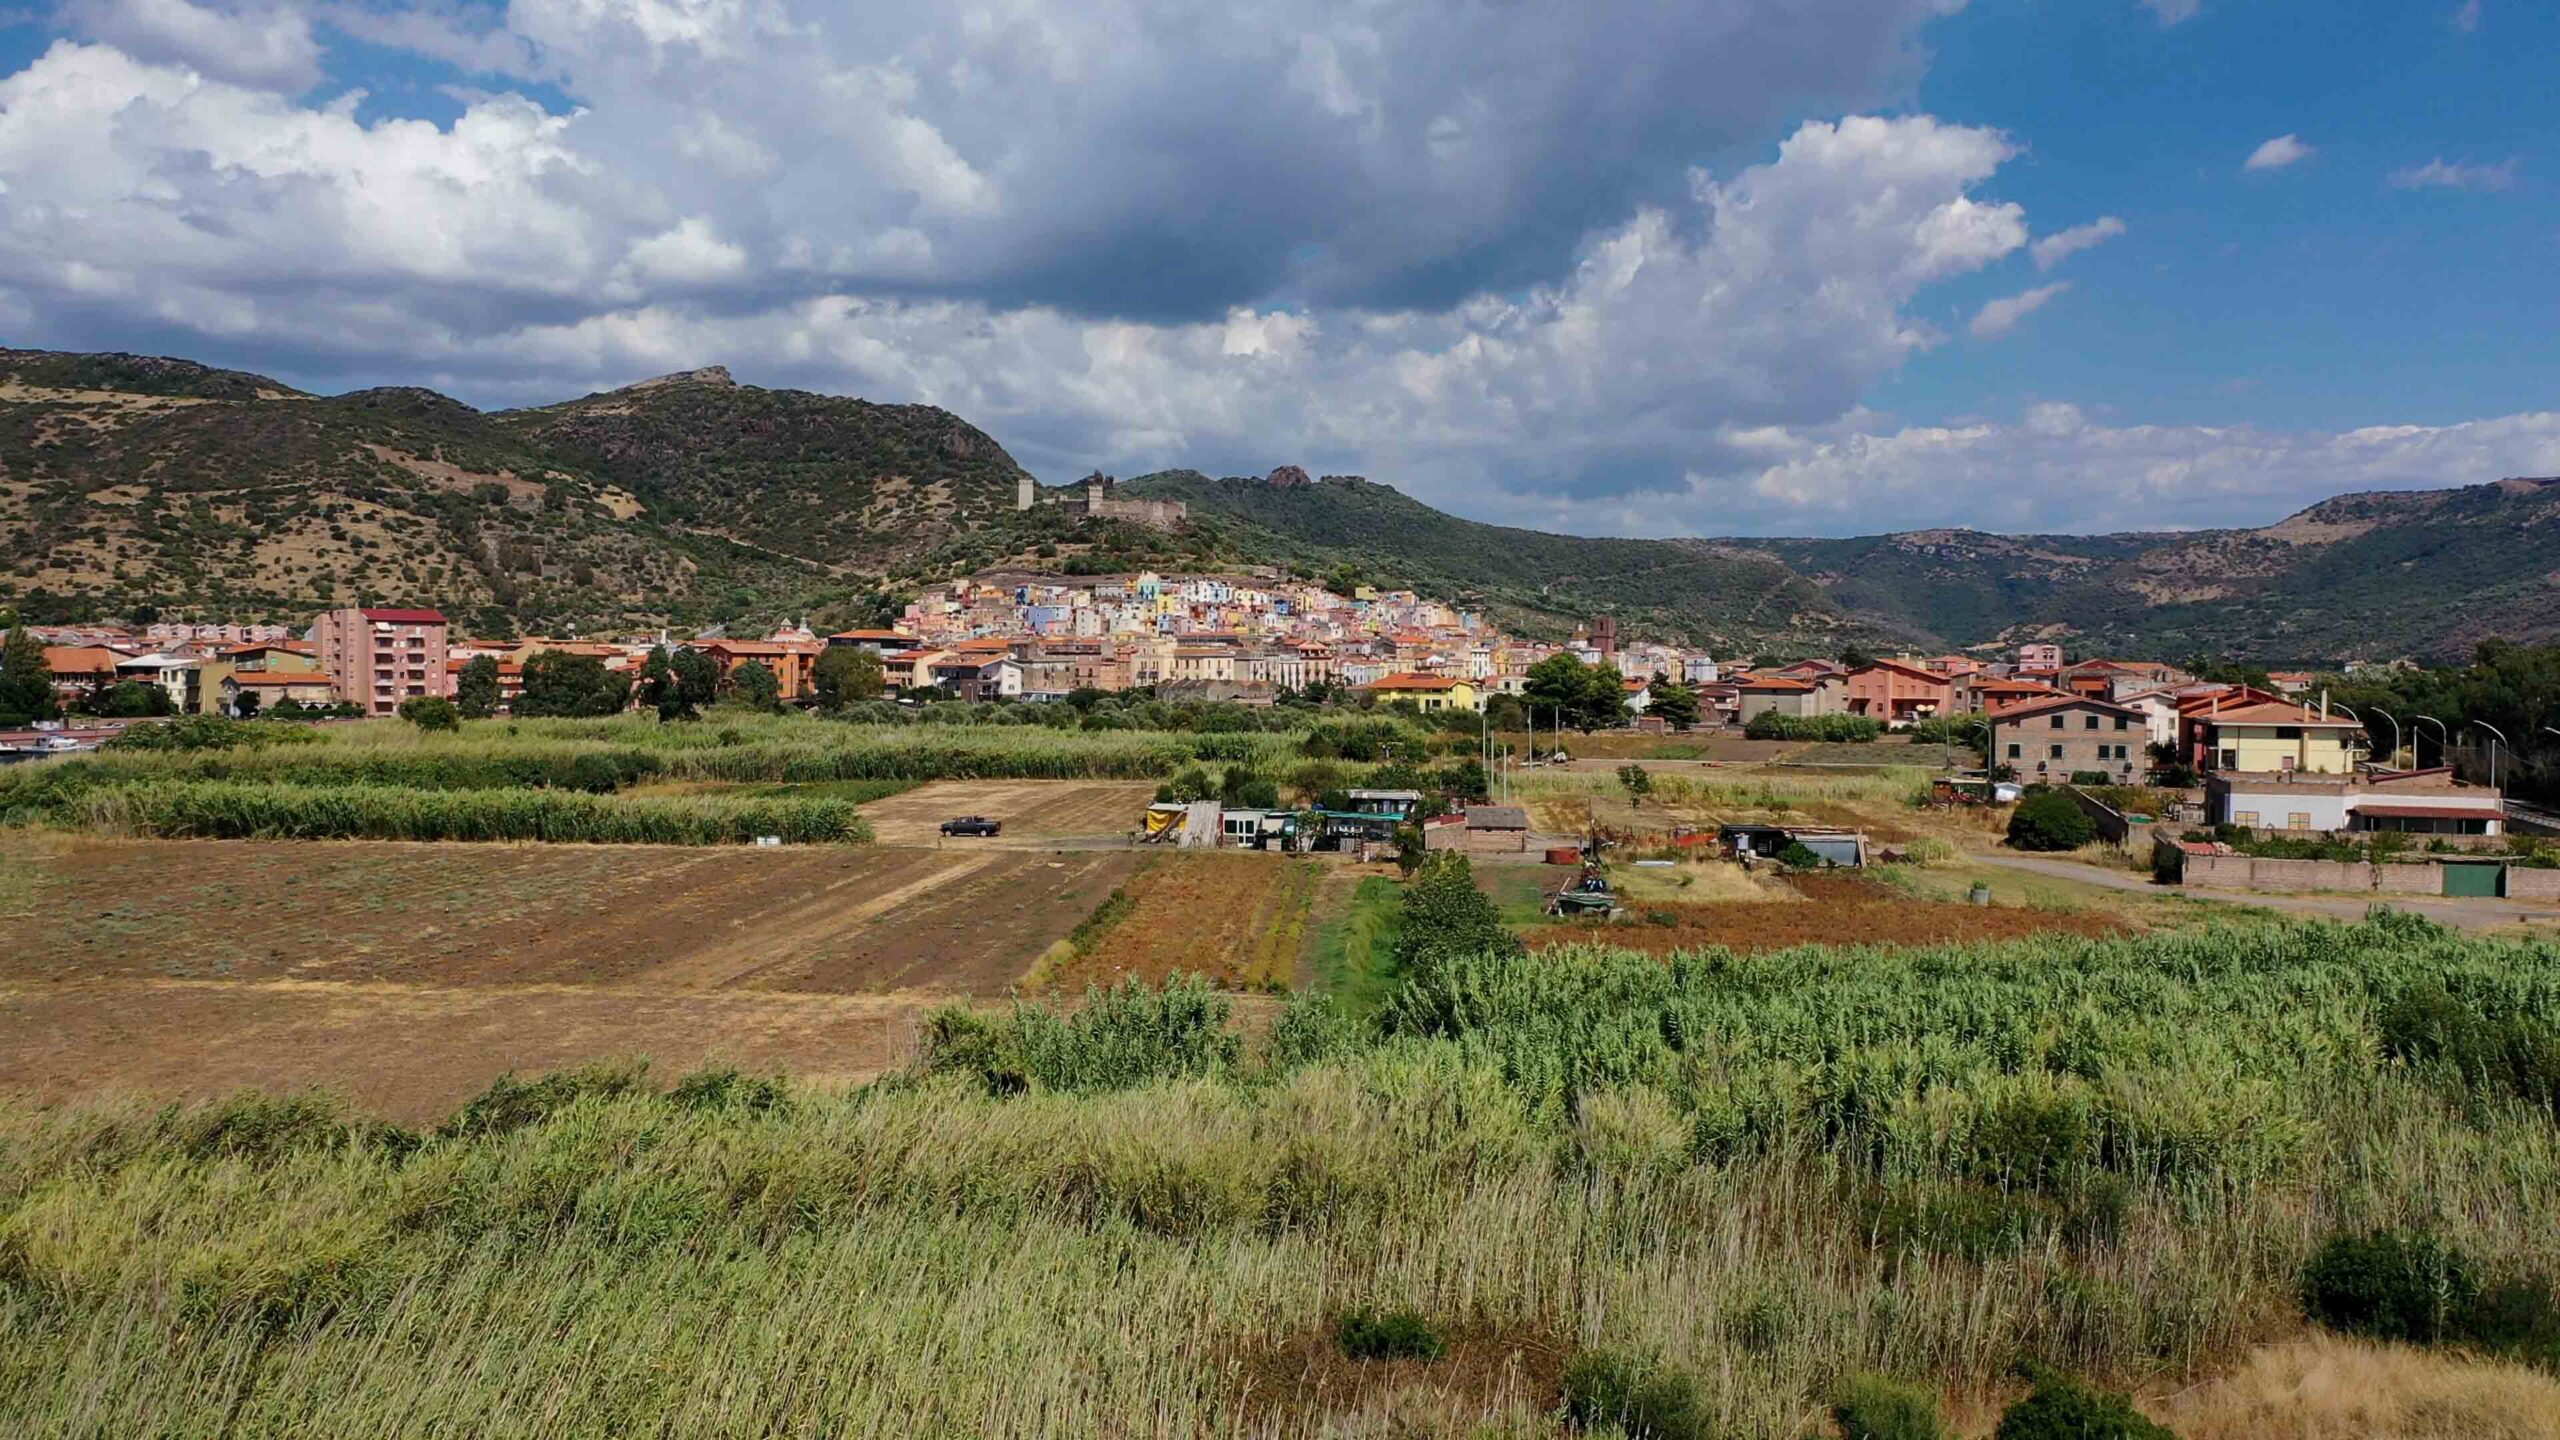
[2523, 884]
[2248, 872]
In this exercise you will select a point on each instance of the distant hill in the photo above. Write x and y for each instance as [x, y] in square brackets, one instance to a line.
[2424, 572]
[140, 481]
[131, 481]
[1731, 599]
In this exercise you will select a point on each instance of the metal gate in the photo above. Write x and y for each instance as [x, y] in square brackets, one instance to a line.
[2484, 880]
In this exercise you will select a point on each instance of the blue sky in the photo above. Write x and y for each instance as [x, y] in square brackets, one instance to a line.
[2314, 295]
[1728, 267]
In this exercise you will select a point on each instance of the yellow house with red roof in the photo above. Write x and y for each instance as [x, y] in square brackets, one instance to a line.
[1428, 693]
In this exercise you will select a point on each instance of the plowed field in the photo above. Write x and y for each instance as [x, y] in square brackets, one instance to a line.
[1241, 919]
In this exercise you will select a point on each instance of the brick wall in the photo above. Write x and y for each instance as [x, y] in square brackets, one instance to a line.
[2523, 884]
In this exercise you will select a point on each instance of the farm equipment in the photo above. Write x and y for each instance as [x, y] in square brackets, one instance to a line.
[1587, 895]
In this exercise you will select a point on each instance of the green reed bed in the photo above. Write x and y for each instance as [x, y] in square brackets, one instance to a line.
[1774, 1172]
[234, 810]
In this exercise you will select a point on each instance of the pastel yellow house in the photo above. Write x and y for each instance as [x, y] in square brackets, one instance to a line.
[1429, 692]
[2270, 737]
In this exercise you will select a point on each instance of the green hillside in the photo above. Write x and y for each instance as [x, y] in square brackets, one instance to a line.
[1528, 579]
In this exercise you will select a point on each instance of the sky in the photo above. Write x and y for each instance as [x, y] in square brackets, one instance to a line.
[1724, 267]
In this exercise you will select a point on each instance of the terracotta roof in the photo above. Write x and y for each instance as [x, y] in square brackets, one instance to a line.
[869, 635]
[2063, 702]
[2276, 712]
[406, 617]
[80, 660]
[1914, 671]
[1774, 682]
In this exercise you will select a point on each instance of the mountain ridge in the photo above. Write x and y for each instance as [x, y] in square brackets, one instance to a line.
[130, 481]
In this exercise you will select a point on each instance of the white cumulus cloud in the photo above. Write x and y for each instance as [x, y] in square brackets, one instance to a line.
[266, 46]
[2061, 245]
[2277, 153]
[2438, 175]
[2173, 12]
[1998, 317]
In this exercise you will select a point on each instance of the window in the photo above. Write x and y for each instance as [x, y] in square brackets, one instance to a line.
[2122, 722]
[2298, 820]
[2057, 722]
[2013, 752]
[2244, 817]
[2230, 760]
[2057, 752]
[2090, 723]
[2288, 732]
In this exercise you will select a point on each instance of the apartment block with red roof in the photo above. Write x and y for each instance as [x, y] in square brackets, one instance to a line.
[1897, 693]
[378, 656]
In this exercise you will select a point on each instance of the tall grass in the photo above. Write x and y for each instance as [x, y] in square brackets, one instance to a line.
[232, 810]
[1772, 1172]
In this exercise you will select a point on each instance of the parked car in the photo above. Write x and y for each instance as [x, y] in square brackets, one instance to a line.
[973, 825]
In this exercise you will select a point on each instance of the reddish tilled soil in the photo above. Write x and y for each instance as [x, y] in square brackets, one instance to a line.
[1240, 919]
[1844, 910]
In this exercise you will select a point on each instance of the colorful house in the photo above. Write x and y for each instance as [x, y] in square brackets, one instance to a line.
[1428, 692]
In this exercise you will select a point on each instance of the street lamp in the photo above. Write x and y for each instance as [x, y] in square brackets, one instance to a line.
[2360, 720]
[2444, 742]
[2395, 732]
[2493, 750]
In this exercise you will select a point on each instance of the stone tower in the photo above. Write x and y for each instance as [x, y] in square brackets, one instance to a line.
[1022, 491]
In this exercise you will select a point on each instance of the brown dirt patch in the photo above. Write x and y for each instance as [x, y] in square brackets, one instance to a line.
[834, 918]
[1844, 910]
[1030, 809]
[1240, 919]
[1486, 1376]
[415, 1053]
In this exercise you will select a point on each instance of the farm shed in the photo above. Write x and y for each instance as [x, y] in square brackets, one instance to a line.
[1482, 830]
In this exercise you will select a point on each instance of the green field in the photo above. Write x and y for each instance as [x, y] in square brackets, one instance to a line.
[1748, 1178]
[725, 779]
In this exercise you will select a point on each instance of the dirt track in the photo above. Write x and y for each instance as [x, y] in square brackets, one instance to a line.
[1030, 809]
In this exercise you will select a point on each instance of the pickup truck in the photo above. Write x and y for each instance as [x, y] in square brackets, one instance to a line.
[973, 825]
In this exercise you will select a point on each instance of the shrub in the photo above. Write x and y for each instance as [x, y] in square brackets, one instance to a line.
[2035, 1141]
[2392, 1285]
[2061, 1408]
[1367, 1334]
[431, 712]
[1644, 1398]
[260, 1129]
[1870, 1407]
[1799, 856]
[2048, 820]
[1834, 729]
[724, 1089]
[510, 1104]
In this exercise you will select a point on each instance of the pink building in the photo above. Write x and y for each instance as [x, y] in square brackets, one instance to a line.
[1897, 693]
[378, 658]
[2042, 656]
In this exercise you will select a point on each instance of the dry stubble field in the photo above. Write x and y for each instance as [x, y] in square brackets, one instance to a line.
[410, 975]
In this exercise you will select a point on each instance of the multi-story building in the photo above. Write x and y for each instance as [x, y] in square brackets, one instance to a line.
[378, 657]
[2050, 741]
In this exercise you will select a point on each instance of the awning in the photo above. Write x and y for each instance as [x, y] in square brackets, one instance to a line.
[2432, 812]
